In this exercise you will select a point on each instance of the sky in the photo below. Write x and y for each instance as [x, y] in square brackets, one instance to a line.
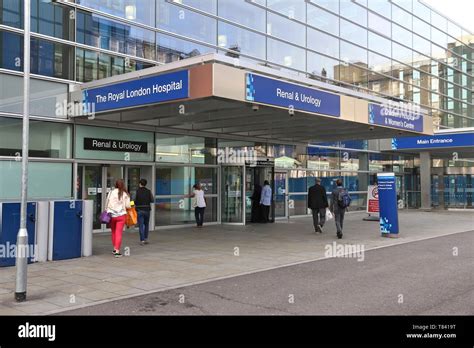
[460, 11]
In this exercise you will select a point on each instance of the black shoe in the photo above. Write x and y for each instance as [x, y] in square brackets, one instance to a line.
[339, 235]
[117, 254]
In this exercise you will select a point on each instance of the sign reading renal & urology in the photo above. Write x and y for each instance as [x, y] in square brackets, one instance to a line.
[396, 115]
[144, 91]
[435, 141]
[264, 90]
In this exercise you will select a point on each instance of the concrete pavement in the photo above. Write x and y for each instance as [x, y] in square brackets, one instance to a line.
[186, 256]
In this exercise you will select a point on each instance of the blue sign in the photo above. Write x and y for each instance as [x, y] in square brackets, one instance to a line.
[395, 117]
[435, 141]
[387, 204]
[274, 92]
[144, 91]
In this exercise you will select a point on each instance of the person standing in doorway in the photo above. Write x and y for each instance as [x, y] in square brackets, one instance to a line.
[340, 201]
[318, 202]
[143, 199]
[256, 213]
[118, 201]
[266, 201]
[199, 204]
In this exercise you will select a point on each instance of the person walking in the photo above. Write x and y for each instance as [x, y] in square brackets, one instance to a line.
[118, 201]
[199, 204]
[256, 213]
[266, 201]
[318, 202]
[340, 201]
[143, 199]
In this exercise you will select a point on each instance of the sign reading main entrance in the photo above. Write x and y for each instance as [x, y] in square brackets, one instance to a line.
[115, 145]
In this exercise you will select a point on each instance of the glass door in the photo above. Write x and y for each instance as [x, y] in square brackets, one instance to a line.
[281, 206]
[90, 188]
[232, 193]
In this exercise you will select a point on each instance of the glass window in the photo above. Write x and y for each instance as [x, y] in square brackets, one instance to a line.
[187, 23]
[354, 12]
[454, 30]
[402, 35]
[353, 33]
[421, 11]
[185, 149]
[380, 84]
[11, 13]
[241, 40]
[286, 29]
[110, 35]
[353, 54]
[439, 21]
[207, 5]
[380, 44]
[323, 20]
[45, 180]
[402, 54]
[323, 66]
[286, 55]
[86, 65]
[47, 139]
[380, 24]
[52, 20]
[171, 49]
[421, 28]
[52, 59]
[290, 8]
[331, 5]
[142, 11]
[353, 75]
[243, 12]
[382, 7]
[401, 17]
[11, 51]
[421, 45]
[379, 63]
[323, 43]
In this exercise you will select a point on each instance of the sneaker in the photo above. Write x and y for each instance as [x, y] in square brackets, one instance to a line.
[339, 235]
[142, 242]
[320, 230]
[117, 254]
[146, 242]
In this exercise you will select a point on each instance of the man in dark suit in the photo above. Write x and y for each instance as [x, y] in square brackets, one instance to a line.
[318, 202]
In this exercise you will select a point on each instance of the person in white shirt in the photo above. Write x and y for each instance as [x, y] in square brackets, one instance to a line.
[118, 201]
[266, 201]
[199, 203]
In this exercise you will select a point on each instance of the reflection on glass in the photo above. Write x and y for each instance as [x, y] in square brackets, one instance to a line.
[322, 66]
[286, 29]
[243, 12]
[171, 49]
[323, 20]
[241, 40]
[232, 194]
[323, 43]
[287, 55]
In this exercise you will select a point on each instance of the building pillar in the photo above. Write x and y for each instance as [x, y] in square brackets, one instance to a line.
[363, 177]
[425, 180]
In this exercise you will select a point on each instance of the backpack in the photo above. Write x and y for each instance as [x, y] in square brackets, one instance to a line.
[343, 199]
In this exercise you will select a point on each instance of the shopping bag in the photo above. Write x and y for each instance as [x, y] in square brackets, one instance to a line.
[328, 215]
[132, 217]
[105, 217]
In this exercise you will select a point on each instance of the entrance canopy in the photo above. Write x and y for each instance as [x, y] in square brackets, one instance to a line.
[219, 96]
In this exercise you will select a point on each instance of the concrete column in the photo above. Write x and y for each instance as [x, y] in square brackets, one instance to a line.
[425, 180]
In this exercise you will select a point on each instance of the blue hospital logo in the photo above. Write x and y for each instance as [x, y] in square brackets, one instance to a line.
[371, 113]
[250, 89]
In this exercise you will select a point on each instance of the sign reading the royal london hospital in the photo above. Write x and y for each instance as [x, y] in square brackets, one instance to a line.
[138, 92]
[115, 145]
[264, 90]
[396, 115]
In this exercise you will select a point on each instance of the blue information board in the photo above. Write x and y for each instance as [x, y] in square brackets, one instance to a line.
[435, 141]
[395, 118]
[262, 89]
[144, 91]
[387, 204]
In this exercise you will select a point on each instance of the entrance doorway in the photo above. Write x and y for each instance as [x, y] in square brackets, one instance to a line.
[95, 181]
[255, 177]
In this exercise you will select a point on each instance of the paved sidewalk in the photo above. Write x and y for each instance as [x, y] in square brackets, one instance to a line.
[179, 257]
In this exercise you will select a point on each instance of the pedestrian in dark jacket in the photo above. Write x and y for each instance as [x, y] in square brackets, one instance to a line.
[318, 202]
[143, 199]
[336, 209]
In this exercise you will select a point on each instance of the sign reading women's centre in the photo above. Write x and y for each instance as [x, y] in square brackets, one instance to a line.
[396, 115]
[387, 203]
[138, 92]
[264, 90]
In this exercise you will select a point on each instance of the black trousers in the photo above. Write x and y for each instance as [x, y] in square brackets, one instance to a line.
[319, 217]
[265, 213]
[199, 215]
